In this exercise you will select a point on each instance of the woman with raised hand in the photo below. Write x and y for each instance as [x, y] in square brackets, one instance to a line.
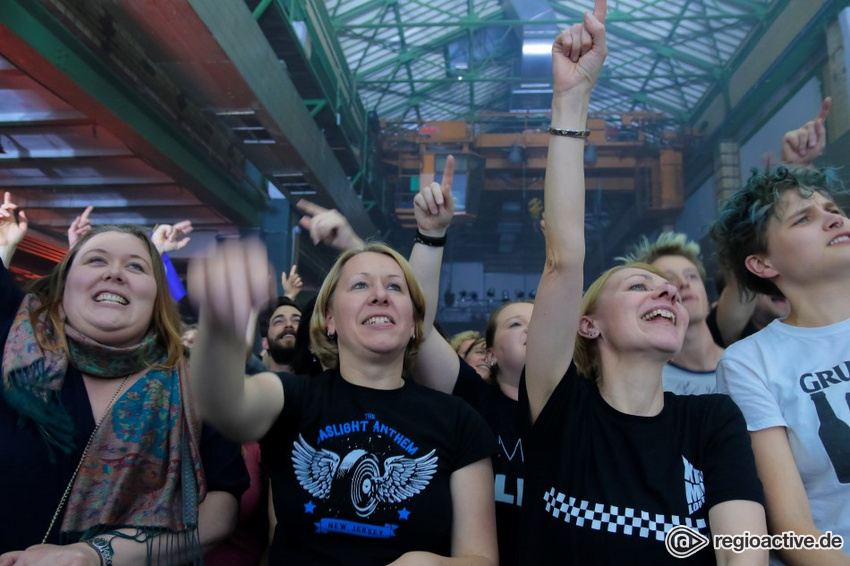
[439, 367]
[102, 458]
[366, 468]
[612, 462]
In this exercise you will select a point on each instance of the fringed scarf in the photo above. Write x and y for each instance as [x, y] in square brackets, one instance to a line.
[143, 469]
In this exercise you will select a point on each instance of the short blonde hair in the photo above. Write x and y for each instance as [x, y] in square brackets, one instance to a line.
[462, 337]
[667, 243]
[585, 352]
[326, 347]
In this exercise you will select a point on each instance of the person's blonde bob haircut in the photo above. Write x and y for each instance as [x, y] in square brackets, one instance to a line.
[165, 322]
[326, 346]
[586, 352]
[461, 337]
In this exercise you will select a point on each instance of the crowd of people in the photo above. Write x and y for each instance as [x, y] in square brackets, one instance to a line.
[582, 428]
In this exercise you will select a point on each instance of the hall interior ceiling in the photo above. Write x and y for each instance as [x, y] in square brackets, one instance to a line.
[163, 110]
[447, 60]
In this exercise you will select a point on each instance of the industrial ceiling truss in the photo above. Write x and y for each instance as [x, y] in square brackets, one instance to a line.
[416, 61]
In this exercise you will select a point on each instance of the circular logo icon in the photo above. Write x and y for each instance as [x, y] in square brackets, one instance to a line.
[682, 541]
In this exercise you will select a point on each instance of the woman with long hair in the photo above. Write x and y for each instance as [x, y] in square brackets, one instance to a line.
[102, 456]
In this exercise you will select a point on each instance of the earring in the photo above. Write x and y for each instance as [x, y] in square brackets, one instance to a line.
[331, 335]
[413, 337]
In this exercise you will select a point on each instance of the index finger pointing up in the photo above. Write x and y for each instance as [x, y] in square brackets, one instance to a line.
[824, 108]
[310, 208]
[448, 173]
[600, 9]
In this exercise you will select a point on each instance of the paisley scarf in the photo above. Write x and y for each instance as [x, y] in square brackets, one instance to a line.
[143, 469]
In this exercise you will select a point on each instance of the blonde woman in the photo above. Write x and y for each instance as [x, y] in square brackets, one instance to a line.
[366, 467]
[612, 462]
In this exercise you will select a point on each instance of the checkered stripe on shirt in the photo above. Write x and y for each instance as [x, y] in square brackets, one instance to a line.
[624, 520]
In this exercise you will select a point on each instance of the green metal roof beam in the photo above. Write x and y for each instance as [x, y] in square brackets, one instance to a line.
[432, 8]
[261, 9]
[315, 105]
[713, 38]
[657, 47]
[470, 36]
[387, 90]
[411, 102]
[276, 94]
[642, 98]
[668, 39]
[403, 46]
[613, 18]
[754, 7]
[328, 65]
[471, 78]
[744, 51]
[360, 10]
[415, 52]
[57, 45]
[382, 15]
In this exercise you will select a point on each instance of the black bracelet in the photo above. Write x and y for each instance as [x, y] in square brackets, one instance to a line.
[421, 238]
[569, 133]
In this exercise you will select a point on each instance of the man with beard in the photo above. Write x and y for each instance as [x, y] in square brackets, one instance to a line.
[278, 323]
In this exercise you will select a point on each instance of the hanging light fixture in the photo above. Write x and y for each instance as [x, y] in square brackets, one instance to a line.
[515, 154]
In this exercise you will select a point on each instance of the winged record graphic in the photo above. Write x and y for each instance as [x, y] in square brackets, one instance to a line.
[318, 470]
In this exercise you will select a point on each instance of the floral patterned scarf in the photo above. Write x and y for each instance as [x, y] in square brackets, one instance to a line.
[143, 469]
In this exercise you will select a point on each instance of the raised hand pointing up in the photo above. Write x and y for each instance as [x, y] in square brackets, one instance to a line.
[580, 50]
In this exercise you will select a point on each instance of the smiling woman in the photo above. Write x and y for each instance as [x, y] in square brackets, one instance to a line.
[613, 462]
[99, 442]
[392, 324]
[111, 287]
[366, 467]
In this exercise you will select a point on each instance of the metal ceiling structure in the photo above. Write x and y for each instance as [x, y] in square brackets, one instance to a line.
[162, 110]
[447, 60]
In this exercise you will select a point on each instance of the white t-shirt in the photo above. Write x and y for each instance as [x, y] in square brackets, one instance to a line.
[799, 378]
[681, 381]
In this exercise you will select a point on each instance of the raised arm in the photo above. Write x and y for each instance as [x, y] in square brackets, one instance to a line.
[437, 363]
[226, 286]
[171, 237]
[80, 226]
[734, 310]
[13, 228]
[327, 226]
[292, 283]
[577, 57]
[805, 144]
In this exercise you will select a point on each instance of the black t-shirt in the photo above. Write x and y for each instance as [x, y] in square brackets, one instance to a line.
[603, 487]
[361, 475]
[711, 321]
[31, 486]
[505, 418]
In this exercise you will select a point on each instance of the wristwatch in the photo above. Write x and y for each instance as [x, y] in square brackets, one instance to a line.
[104, 548]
